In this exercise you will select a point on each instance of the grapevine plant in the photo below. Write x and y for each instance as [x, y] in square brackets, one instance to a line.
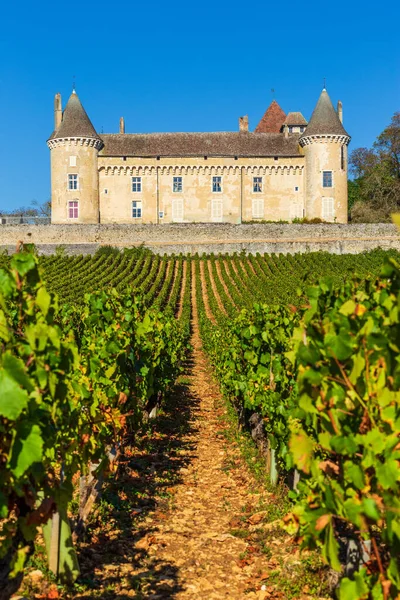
[40, 414]
[73, 385]
[346, 437]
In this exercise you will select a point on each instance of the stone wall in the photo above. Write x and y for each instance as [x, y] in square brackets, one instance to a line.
[207, 237]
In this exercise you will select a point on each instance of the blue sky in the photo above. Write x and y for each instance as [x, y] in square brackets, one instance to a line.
[178, 66]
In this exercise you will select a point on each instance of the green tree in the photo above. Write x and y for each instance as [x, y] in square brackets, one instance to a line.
[374, 194]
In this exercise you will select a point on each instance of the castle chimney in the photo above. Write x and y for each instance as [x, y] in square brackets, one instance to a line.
[286, 130]
[244, 123]
[122, 125]
[57, 111]
[340, 111]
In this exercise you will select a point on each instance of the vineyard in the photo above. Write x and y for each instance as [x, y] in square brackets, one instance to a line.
[304, 346]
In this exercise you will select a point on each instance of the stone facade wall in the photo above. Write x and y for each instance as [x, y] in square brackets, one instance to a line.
[281, 196]
[206, 237]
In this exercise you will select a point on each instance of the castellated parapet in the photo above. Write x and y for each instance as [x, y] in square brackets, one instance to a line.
[285, 169]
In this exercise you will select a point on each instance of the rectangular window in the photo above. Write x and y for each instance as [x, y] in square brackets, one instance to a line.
[327, 179]
[177, 184]
[136, 184]
[72, 182]
[217, 184]
[257, 185]
[136, 209]
[328, 209]
[72, 161]
[258, 209]
[290, 129]
[301, 129]
[342, 162]
[73, 209]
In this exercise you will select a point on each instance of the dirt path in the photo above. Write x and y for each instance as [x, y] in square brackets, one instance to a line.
[183, 288]
[207, 307]
[214, 289]
[227, 266]
[227, 292]
[194, 535]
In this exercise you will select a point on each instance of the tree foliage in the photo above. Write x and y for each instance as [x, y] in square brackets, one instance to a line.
[375, 192]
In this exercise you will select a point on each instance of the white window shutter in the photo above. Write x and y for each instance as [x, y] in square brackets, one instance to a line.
[258, 208]
[328, 209]
[216, 209]
[177, 209]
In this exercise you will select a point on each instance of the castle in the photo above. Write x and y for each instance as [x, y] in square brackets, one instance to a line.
[285, 169]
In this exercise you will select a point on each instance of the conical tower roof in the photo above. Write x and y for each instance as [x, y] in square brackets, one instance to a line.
[324, 120]
[272, 120]
[75, 122]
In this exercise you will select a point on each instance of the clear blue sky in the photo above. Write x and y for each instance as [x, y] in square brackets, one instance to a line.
[180, 66]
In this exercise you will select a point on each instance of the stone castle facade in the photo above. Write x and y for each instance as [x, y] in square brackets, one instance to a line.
[287, 168]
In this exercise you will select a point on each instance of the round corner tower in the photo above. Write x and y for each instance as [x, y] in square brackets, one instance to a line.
[324, 144]
[74, 147]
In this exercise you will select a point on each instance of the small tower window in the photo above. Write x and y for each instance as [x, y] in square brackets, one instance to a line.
[290, 129]
[72, 161]
[217, 184]
[136, 209]
[327, 179]
[136, 184]
[72, 182]
[177, 184]
[301, 129]
[342, 161]
[257, 185]
[73, 209]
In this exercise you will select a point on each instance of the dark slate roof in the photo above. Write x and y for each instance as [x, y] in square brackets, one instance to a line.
[75, 122]
[272, 120]
[295, 118]
[324, 119]
[199, 144]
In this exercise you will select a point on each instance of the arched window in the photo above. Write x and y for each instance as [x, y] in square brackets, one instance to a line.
[73, 209]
